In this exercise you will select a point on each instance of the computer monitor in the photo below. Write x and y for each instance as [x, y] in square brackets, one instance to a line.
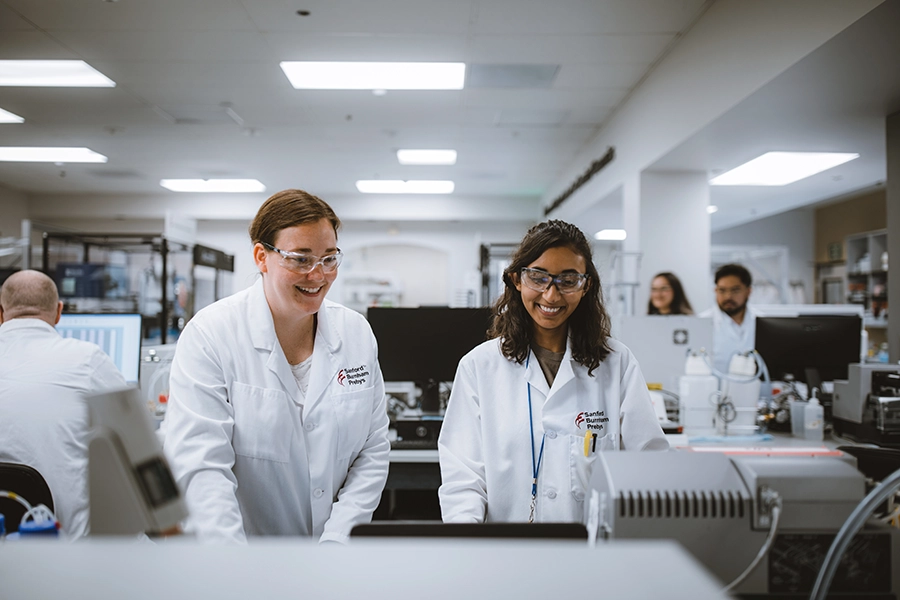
[425, 344]
[660, 343]
[119, 335]
[826, 343]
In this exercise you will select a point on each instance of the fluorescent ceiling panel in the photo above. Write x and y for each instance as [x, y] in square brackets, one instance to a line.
[54, 155]
[426, 157]
[375, 75]
[386, 186]
[782, 168]
[213, 185]
[610, 235]
[8, 117]
[712, 208]
[51, 73]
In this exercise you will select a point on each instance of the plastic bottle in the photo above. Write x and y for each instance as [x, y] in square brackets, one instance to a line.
[883, 356]
[814, 419]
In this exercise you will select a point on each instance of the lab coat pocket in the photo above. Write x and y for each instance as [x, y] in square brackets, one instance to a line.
[354, 417]
[581, 462]
[262, 422]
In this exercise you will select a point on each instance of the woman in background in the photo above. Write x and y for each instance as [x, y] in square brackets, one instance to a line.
[531, 408]
[667, 296]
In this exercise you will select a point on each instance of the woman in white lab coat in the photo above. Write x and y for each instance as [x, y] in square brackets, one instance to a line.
[277, 422]
[531, 409]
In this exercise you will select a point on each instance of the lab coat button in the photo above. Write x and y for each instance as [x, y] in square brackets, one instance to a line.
[551, 434]
[551, 494]
[318, 492]
[309, 426]
[579, 496]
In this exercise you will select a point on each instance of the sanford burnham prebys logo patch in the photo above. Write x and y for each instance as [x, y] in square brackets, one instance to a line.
[355, 376]
[593, 420]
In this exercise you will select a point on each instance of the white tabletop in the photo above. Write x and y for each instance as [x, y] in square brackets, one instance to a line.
[368, 569]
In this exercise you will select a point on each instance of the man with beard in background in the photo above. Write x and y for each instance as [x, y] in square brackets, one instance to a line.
[734, 323]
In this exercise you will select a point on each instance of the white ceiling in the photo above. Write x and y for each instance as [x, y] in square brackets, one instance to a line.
[179, 64]
[836, 99]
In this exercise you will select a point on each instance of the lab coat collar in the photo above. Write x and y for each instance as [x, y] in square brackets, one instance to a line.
[535, 375]
[566, 373]
[327, 343]
[26, 323]
[262, 326]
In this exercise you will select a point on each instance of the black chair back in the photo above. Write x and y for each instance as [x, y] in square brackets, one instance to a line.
[27, 483]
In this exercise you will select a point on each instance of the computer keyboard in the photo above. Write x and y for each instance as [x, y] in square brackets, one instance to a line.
[414, 444]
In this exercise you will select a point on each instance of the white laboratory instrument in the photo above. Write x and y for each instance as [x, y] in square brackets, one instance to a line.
[763, 517]
[131, 488]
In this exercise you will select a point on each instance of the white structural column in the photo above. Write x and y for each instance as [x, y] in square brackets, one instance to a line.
[627, 269]
[893, 236]
[675, 234]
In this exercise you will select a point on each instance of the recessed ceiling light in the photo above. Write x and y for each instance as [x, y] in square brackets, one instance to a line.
[375, 75]
[782, 168]
[385, 186]
[712, 208]
[610, 235]
[51, 73]
[213, 185]
[426, 157]
[54, 155]
[8, 117]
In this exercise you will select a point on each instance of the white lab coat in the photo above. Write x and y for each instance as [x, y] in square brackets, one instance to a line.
[253, 458]
[485, 441]
[44, 379]
[729, 337]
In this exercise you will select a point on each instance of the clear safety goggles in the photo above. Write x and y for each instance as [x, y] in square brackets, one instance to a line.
[540, 281]
[301, 262]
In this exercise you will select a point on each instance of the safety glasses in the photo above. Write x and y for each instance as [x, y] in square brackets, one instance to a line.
[300, 262]
[540, 281]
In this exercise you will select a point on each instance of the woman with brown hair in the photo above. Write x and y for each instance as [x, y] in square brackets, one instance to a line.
[531, 408]
[277, 423]
[667, 296]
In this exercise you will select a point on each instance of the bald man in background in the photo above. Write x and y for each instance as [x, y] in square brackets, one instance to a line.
[44, 379]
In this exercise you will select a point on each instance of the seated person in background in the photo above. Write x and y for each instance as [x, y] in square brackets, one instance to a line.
[734, 322]
[667, 296]
[531, 408]
[44, 379]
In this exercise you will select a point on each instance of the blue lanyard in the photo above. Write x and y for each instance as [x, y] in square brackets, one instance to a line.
[535, 464]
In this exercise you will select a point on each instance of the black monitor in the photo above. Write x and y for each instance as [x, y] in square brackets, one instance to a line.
[793, 345]
[554, 531]
[425, 344]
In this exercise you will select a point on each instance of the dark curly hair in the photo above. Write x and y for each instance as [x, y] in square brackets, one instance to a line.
[589, 324]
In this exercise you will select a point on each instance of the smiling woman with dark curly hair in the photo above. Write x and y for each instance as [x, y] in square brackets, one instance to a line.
[531, 408]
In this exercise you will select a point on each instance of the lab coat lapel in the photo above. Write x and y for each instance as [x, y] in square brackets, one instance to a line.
[535, 376]
[325, 364]
[262, 334]
[565, 373]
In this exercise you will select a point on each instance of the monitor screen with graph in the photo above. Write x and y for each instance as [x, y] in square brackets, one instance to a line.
[119, 335]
